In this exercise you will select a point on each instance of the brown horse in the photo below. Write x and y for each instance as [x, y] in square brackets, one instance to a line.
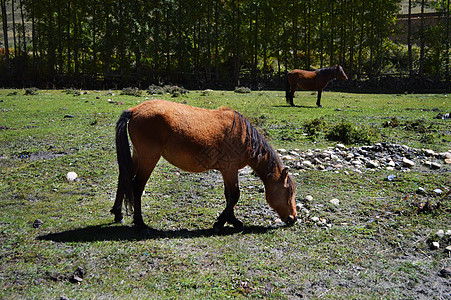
[311, 81]
[196, 140]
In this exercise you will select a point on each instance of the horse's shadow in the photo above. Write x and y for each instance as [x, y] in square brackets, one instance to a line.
[129, 233]
[296, 106]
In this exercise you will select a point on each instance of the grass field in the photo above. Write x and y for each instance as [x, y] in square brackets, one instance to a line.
[376, 245]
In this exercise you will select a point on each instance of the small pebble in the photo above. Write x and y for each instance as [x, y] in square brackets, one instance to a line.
[407, 162]
[37, 223]
[335, 201]
[438, 191]
[421, 191]
[435, 245]
[446, 272]
[71, 176]
[440, 233]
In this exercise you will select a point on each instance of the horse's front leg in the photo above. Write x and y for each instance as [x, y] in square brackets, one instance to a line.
[232, 194]
[318, 101]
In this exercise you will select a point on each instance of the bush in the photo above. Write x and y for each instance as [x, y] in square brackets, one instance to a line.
[175, 90]
[394, 122]
[419, 126]
[314, 127]
[347, 133]
[31, 91]
[242, 90]
[131, 92]
[155, 90]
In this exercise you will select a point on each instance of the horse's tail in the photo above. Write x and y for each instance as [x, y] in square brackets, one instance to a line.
[287, 89]
[124, 159]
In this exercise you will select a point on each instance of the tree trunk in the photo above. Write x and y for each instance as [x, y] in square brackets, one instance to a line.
[421, 71]
[409, 36]
[5, 33]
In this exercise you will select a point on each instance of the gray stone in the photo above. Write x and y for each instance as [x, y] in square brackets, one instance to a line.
[407, 162]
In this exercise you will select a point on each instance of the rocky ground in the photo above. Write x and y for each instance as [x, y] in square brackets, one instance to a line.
[359, 159]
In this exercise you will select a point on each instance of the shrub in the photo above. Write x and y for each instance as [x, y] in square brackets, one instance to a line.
[31, 91]
[314, 127]
[175, 90]
[131, 92]
[242, 90]
[394, 122]
[347, 133]
[155, 90]
[419, 126]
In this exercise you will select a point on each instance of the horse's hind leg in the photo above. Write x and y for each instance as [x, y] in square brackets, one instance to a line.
[318, 101]
[291, 94]
[232, 194]
[139, 183]
[117, 207]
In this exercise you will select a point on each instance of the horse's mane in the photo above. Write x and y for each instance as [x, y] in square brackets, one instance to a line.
[257, 144]
[329, 71]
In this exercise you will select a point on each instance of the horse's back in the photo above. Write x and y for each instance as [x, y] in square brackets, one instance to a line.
[180, 133]
[306, 80]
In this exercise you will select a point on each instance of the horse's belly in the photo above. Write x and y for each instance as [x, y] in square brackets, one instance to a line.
[200, 157]
[186, 161]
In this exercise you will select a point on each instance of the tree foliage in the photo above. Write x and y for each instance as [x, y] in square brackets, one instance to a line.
[210, 41]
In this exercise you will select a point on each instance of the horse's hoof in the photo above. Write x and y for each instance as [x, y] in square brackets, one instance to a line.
[119, 219]
[238, 225]
[217, 227]
[239, 228]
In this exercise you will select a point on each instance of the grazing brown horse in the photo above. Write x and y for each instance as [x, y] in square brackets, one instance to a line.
[311, 81]
[196, 140]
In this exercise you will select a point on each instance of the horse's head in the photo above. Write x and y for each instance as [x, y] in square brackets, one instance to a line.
[280, 196]
[341, 74]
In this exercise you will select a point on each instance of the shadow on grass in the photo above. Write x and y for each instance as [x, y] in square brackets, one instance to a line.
[296, 106]
[129, 233]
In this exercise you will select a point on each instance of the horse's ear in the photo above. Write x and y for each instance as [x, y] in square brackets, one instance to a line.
[284, 174]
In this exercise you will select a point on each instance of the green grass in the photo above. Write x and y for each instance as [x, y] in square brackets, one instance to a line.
[377, 245]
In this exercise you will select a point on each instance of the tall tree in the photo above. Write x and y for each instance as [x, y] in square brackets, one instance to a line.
[5, 33]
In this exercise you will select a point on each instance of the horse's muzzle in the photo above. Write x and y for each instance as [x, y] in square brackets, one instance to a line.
[290, 220]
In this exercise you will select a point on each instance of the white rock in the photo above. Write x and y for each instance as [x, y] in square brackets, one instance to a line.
[391, 163]
[293, 153]
[71, 176]
[334, 157]
[440, 233]
[356, 162]
[407, 162]
[287, 157]
[309, 198]
[372, 164]
[438, 191]
[340, 146]
[429, 152]
[448, 248]
[307, 163]
[435, 245]
[448, 232]
[335, 201]
[435, 166]
[282, 150]
[315, 219]
[421, 191]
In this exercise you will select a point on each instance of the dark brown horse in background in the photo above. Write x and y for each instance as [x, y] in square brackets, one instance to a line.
[196, 140]
[311, 81]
